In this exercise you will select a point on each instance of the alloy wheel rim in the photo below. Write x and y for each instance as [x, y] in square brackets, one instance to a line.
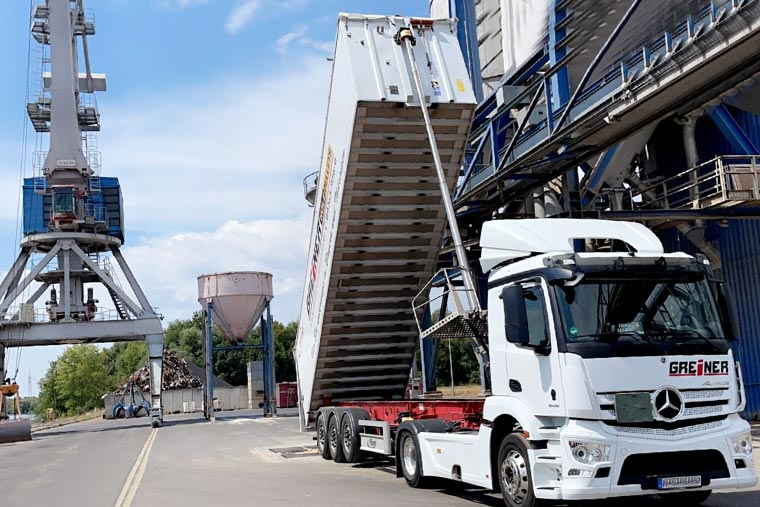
[347, 438]
[321, 436]
[409, 454]
[334, 439]
[514, 477]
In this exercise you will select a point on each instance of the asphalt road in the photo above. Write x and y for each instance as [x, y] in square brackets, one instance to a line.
[189, 462]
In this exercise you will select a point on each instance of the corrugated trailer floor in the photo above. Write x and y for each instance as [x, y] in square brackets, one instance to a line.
[389, 233]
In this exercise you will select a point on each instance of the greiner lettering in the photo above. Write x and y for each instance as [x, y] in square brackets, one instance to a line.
[697, 368]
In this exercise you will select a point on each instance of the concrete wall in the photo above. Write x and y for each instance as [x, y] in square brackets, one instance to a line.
[229, 398]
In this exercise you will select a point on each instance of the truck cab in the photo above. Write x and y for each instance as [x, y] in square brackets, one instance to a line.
[611, 368]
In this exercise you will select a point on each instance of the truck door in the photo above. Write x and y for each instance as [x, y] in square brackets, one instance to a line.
[533, 372]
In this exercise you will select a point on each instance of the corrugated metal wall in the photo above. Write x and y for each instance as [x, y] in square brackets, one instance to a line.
[739, 241]
[739, 244]
[740, 252]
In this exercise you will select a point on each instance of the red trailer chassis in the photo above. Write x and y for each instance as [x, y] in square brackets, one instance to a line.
[466, 414]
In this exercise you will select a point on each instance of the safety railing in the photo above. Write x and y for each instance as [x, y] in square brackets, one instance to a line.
[310, 187]
[725, 180]
[454, 316]
[96, 211]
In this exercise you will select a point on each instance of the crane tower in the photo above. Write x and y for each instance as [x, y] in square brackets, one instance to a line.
[73, 224]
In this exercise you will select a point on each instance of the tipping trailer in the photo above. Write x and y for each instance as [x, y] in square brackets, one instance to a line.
[608, 360]
[378, 220]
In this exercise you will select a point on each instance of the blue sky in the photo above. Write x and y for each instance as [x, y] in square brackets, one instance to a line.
[214, 115]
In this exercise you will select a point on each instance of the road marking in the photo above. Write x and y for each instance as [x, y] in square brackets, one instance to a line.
[136, 474]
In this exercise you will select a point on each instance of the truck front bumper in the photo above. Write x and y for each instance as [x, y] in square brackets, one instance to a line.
[637, 459]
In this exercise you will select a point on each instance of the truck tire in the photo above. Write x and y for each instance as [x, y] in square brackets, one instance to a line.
[334, 439]
[321, 427]
[410, 460]
[349, 441]
[687, 498]
[515, 479]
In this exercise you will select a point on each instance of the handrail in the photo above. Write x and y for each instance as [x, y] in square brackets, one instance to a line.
[729, 178]
[310, 187]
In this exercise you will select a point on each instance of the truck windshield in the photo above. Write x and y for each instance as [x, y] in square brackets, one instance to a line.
[641, 314]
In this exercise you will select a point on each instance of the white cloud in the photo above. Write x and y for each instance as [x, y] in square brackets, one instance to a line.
[242, 15]
[167, 267]
[237, 148]
[297, 36]
[179, 4]
[282, 43]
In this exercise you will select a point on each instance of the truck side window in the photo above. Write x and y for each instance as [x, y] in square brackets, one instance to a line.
[535, 307]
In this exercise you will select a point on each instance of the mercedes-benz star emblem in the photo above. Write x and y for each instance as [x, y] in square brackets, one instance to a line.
[668, 403]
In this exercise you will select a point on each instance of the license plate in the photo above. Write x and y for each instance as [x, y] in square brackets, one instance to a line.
[690, 481]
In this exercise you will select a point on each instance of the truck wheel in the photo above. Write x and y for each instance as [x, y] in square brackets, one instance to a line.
[687, 499]
[410, 460]
[334, 440]
[349, 440]
[514, 472]
[322, 447]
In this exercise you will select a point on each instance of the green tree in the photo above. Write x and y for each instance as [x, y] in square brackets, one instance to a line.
[82, 378]
[186, 338]
[284, 341]
[49, 396]
[28, 404]
[466, 370]
[123, 359]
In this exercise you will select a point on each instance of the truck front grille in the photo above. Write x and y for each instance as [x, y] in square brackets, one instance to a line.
[699, 403]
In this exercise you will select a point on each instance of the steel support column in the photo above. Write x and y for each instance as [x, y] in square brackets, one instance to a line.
[464, 11]
[267, 348]
[208, 360]
[156, 361]
[560, 80]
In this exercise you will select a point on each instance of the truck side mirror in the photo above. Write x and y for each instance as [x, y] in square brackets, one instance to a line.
[515, 315]
[728, 312]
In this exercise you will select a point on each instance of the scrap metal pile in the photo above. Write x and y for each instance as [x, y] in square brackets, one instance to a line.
[176, 375]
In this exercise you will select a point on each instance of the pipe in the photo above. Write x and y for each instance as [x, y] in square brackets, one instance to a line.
[448, 205]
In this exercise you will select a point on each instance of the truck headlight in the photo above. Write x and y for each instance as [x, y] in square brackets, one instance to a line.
[589, 453]
[742, 444]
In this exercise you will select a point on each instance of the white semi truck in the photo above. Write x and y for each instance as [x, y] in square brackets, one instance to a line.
[608, 362]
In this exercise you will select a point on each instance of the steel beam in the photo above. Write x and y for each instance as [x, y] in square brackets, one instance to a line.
[63, 333]
[591, 68]
[122, 262]
[109, 282]
[733, 132]
[16, 291]
[17, 270]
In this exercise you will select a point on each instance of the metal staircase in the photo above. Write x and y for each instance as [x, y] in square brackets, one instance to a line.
[108, 269]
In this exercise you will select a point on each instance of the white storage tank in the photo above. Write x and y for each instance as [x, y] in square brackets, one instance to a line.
[238, 300]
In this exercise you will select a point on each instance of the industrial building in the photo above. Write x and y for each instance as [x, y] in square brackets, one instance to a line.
[644, 111]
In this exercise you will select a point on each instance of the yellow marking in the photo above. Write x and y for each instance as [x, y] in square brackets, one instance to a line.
[460, 85]
[136, 473]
